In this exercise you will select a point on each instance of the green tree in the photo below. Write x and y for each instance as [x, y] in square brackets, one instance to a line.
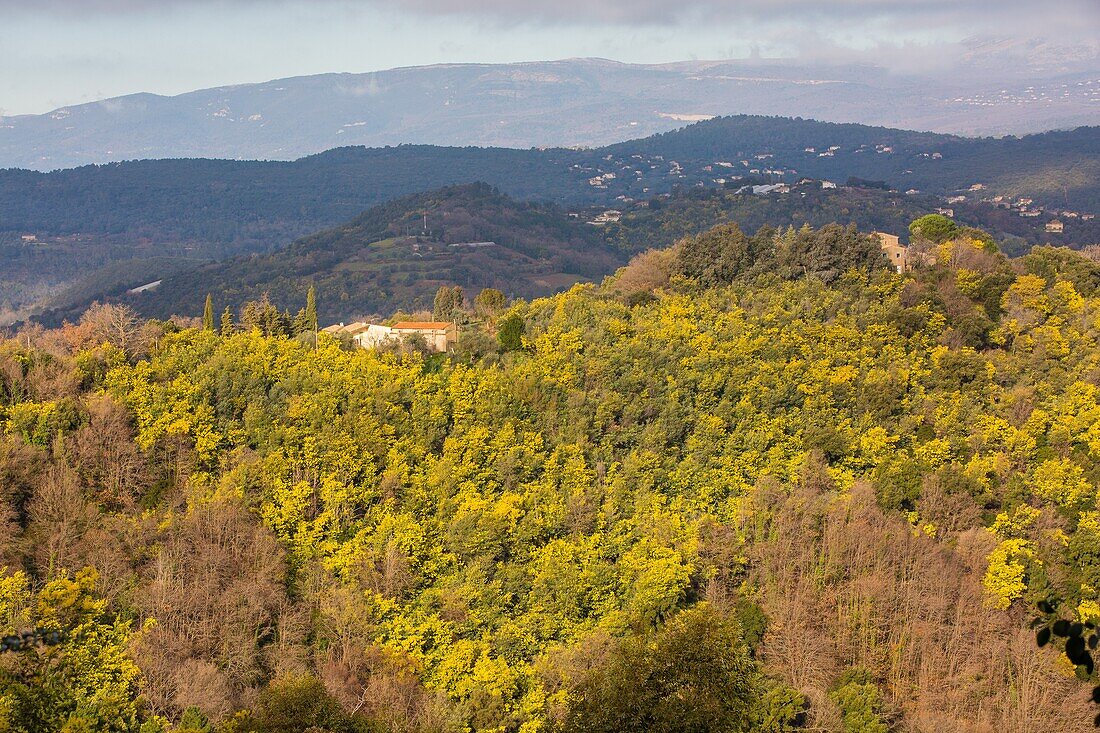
[193, 721]
[716, 256]
[251, 316]
[87, 681]
[208, 314]
[264, 316]
[311, 309]
[510, 335]
[449, 302]
[489, 303]
[297, 703]
[227, 322]
[694, 676]
[936, 228]
[860, 702]
[300, 324]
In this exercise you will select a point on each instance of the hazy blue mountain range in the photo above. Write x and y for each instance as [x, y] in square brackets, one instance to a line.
[576, 102]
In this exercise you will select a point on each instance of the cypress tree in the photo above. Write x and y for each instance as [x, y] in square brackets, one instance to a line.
[510, 335]
[311, 309]
[444, 303]
[208, 314]
[227, 321]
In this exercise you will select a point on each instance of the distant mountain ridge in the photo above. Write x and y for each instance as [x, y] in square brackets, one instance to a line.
[575, 102]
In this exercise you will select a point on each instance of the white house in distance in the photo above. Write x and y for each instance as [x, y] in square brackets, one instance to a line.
[440, 336]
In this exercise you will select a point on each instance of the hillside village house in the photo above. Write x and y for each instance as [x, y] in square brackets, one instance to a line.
[893, 250]
[1055, 227]
[440, 336]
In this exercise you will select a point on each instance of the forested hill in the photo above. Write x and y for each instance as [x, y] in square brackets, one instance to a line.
[397, 254]
[384, 260]
[751, 484]
[1057, 168]
[227, 206]
[101, 229]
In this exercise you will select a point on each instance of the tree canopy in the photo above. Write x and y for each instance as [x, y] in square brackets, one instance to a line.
[796, 489]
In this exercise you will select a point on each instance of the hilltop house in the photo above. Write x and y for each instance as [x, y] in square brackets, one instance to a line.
[893, 250]
[439, 336]
[1055, 226]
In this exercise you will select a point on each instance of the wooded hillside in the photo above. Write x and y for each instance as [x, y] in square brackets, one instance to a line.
[755, 482]
[107, 228]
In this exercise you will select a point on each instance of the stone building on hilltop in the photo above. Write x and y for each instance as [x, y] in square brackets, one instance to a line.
[893, 250]
[439, 336]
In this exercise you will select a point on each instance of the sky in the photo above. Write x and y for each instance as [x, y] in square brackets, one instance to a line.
[55, 53]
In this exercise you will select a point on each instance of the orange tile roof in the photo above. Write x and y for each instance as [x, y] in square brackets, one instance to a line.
[422, 326]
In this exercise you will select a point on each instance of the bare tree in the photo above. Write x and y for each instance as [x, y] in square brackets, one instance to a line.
[106, 457]
[215, 588]
[845, 585]
[59, 517]
[117, 325]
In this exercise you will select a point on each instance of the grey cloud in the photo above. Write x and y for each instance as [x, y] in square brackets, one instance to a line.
[801, 24]
[804, 27]
[1007, 12]
[1076, 17]
[630, 11]
[647, 11]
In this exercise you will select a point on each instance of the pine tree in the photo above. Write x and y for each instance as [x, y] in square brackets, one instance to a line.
[208, 314]
[251, 316]
[301, 324]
